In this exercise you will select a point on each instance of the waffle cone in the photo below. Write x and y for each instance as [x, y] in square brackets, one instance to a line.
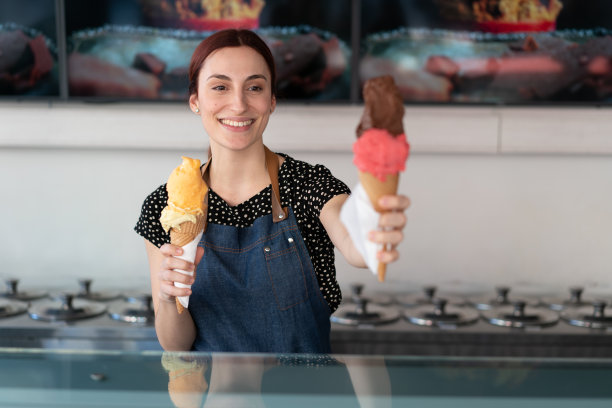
[187, 231]
[179, 306]
[375, 189]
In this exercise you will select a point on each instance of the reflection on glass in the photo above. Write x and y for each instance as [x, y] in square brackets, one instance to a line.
[496, 52]
[140, 49]
[28, 52]
[249, 381]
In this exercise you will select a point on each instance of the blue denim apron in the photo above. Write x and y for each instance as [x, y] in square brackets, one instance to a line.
[255, 287]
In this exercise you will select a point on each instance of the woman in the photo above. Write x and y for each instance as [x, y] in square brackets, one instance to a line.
[264, 274]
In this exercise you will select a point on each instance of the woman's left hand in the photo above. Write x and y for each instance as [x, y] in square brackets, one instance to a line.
[391, 224]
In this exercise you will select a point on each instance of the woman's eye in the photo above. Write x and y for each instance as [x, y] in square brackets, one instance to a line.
[255, 88]
[219, 88]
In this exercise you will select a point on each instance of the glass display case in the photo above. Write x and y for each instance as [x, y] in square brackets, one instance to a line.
[37, 378]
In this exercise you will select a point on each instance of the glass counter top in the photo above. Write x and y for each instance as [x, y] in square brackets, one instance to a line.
[63, 378]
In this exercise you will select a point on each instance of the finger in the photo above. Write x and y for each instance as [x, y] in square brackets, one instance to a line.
[169, 291]
[199, 255]
[392, 220]
[392, 237]
[171, 262]
[387, 256]
[168, 275]
[394, 202]
[171, 250]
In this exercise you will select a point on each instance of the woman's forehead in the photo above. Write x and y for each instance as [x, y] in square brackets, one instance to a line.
[239, 61]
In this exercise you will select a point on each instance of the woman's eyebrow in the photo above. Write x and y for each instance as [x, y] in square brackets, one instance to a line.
[226, 78]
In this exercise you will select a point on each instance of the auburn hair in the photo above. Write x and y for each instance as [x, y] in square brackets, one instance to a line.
[229, 38]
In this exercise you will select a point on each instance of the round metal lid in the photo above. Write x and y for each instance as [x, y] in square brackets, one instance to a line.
[87, 294]
[378, 298]
[574, 300]
[520, 315]
[143, 314]
[441, 315]
[14, 308]
[501, 299]
[13, 293]
[428, 297]
[593, 317]
[362, 314]
[68, 309]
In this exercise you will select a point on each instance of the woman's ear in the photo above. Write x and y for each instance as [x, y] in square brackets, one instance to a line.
[273, 104]
[193, 103]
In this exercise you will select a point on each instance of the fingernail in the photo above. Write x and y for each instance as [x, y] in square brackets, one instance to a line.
[371, 235]
[179, 251]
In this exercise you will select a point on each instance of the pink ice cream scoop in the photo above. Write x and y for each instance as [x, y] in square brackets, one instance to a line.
[380, 153]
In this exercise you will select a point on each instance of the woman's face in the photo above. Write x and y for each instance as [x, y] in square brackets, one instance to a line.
[234, 97]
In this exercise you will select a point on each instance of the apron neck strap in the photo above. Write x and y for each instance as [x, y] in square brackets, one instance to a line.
[272, 164]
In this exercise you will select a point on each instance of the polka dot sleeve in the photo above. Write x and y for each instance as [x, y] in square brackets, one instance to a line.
[148, 225]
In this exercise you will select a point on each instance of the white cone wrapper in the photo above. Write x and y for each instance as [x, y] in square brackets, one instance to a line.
[359, 218]
[189, 254]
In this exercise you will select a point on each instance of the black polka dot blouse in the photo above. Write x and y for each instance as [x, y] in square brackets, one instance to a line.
[303, 187]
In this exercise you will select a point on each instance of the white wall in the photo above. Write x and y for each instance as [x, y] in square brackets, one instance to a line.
[499, 196]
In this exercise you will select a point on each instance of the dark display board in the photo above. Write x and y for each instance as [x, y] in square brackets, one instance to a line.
[459, 52]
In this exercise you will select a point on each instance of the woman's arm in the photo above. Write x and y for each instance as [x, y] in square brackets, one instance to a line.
[176, 332]
[394, 220]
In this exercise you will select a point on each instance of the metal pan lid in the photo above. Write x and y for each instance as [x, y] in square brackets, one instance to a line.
[69, 309]
[374, 297]
[593, 317]
[430, 293]
[362, 314]
[575, 300]
[440, 315]
[501, 299]
[88, 294]
[142, 315]
[12, 308]
[13, 293]
[519, 315]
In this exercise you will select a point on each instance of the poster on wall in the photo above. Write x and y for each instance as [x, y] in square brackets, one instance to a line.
[28, 49]
[140, 49]
[491, 51]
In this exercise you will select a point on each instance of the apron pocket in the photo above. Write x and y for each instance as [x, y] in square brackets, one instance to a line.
[287, 277]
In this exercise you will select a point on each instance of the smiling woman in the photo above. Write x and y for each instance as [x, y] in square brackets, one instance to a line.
[265, 279]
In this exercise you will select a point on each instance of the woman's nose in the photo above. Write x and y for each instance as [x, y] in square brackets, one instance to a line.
[239, 103]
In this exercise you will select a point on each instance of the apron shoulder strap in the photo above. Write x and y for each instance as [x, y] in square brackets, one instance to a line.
[272, 163]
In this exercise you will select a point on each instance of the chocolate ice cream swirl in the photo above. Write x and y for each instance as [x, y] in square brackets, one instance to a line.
[384, 106]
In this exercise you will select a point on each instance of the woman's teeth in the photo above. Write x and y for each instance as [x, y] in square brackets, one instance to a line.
[235, 123]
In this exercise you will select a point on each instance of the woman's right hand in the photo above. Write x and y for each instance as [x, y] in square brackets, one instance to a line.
[168, 273]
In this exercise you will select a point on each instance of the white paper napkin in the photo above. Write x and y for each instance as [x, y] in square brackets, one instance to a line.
[189, 254]
[359, 218]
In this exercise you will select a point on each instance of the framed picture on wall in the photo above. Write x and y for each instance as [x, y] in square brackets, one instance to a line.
[28, 49]
[500, 52]
[140, 49]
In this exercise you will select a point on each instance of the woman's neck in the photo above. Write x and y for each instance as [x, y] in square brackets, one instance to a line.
[237, 176]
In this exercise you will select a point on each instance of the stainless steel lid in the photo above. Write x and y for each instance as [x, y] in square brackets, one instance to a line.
[573, 301]
[501, 299]
[68, 309]
[86, 292]
[378, 298]
[440, 315]
[593, 317]
[142, 314]
[12, 308]
[13, 293]
[518, 314]
[363, 314]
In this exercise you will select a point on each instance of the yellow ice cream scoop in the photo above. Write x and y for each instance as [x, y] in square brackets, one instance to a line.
[186, 193]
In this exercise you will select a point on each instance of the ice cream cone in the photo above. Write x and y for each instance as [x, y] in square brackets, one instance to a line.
[375, 189]
[186, 231]
[182, 235]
